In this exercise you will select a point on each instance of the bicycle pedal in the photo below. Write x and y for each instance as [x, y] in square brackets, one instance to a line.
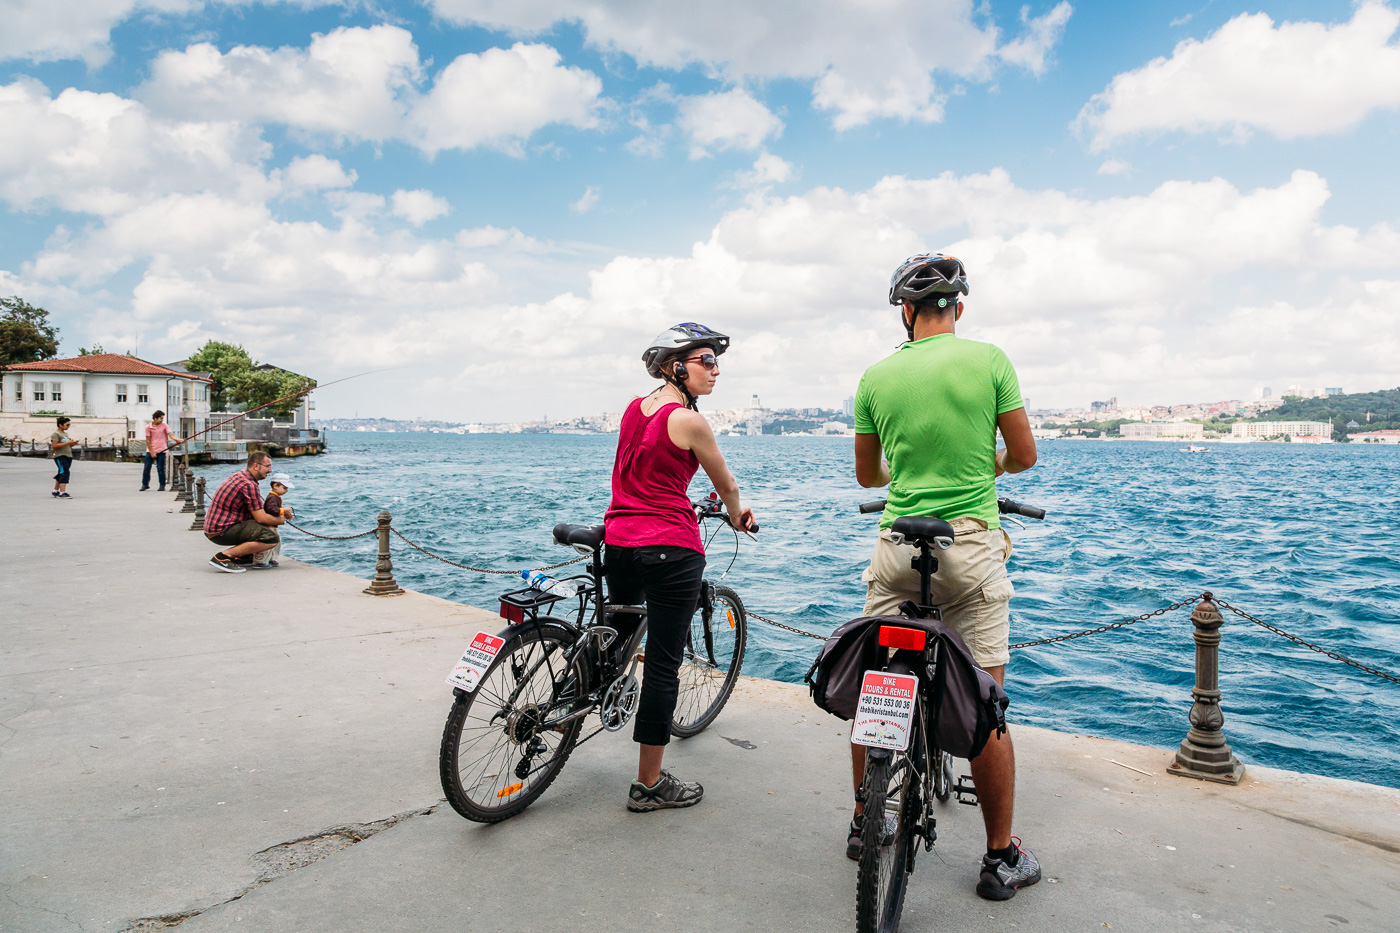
[966, 791]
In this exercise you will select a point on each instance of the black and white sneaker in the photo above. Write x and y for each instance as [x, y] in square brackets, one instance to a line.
[668, 793]
[221, 562]
[1000, 881]
[858, 827]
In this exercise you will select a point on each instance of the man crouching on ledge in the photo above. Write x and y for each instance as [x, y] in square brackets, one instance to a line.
[236, 520]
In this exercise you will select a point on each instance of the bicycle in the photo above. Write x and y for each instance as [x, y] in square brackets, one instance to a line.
[512, 728]
[900, 783]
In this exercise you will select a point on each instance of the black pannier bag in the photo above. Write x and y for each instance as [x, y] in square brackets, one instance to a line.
[966, 708]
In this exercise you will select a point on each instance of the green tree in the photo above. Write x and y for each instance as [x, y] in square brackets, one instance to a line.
[258, 387]
[229, 365]
[95, 351]
[26, 336]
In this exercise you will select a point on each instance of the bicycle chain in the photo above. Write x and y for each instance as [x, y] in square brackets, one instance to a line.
[424, 550]
[1190, 600]
[1309, 645]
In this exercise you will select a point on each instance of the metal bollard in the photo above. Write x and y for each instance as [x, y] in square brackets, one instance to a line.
[384, 583]
[198, 523]
[1204, 753]
[186, 483]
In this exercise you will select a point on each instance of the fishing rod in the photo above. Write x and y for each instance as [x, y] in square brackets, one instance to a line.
[312, 388]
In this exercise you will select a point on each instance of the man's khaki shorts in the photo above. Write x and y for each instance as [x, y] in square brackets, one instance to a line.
[243, 532]
[970, 586]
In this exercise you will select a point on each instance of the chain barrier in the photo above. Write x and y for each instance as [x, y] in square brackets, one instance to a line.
[504, 573]
[1112, 626]
[1309, 645]
[333, 537]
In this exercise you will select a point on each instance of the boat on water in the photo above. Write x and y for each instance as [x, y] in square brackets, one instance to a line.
[1194, 449]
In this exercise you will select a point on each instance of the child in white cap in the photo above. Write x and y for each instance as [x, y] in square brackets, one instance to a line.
[281, 483]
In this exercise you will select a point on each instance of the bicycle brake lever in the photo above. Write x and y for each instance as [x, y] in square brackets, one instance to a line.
[1015, 521]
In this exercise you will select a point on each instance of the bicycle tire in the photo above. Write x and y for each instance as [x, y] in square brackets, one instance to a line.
[883, 873]
[943, 775]
[710, 665]
[492, 726]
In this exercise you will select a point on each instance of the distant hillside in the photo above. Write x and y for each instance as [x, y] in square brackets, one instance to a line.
[1383, 407]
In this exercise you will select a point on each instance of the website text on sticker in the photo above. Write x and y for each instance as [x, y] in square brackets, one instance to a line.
[886, 710]
[468, 671]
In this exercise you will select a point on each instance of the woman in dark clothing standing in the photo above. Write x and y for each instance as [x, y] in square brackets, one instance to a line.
[653, 549]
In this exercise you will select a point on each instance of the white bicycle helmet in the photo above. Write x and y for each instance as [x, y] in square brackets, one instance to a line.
[678, 339]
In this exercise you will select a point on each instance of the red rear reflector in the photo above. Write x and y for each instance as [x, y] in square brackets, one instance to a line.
[512, 613]
[893, 636]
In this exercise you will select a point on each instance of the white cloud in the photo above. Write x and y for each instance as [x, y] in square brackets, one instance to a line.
[102, 154]
[313, 173]
[54, 30]
[731, 119]
[501, 96]
[851, 50]
[1291, 80]
[588, 201]
[768, 170]
[1115, 167]
[351, 82]
[367, 84]
[419, 206]
[1041, 36]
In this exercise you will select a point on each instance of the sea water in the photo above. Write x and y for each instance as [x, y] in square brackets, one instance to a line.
[1304, 537]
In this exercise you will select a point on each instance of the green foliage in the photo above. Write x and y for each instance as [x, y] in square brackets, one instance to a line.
[95, 351]
[228, 364]
[26, 336]
[260, 386]
[240, 384]
[1383, 407]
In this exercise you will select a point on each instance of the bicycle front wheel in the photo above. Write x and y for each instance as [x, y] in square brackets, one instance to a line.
[714, 652]
[892, 804]
[499, 750]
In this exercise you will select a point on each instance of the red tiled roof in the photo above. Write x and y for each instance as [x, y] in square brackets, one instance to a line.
[111, 363]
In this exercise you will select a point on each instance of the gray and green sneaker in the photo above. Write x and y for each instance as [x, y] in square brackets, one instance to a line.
[999, 880]
[669, 792]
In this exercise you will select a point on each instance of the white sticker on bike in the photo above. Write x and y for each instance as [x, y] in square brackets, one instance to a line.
[885, 713]
[475, 660]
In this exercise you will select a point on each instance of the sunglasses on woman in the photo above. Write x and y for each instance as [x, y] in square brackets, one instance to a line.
[706, 360]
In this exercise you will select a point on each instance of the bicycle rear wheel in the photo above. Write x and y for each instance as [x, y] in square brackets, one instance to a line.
[714, 652]
[496, 757]
[942, 775]
[891, 794]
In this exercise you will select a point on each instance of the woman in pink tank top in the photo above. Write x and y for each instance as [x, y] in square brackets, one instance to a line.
[653, 551]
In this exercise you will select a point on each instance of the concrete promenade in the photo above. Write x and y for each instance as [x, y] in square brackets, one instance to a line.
[180, 743]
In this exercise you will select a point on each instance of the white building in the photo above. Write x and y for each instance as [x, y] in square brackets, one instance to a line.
[1256, 429]
[1387, 436]
[1134, 431]
[108, 396]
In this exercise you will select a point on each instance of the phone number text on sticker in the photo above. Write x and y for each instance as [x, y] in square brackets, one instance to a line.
[468, 671]
[886, 710]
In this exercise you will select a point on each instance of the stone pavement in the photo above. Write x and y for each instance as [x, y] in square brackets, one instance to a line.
[181, 743]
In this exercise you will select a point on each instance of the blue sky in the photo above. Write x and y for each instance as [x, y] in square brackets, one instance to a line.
[1162, 202]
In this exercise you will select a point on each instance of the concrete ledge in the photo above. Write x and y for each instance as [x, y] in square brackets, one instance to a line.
[258, 752]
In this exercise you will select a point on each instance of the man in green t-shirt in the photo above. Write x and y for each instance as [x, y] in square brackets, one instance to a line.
[934, 408]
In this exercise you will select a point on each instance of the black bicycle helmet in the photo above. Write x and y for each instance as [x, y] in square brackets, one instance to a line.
[927, 274]
[678, 339]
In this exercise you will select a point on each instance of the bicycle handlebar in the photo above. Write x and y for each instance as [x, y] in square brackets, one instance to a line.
[1004, 506]
[713, 508]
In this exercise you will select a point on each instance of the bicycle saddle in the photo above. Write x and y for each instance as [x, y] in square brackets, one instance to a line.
[922, 528]
[585, 539]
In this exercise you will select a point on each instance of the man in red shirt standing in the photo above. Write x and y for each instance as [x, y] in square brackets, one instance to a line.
[158, 441]
[235, 518]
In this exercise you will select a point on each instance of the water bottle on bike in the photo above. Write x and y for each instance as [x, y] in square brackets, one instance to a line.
[537, 580]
